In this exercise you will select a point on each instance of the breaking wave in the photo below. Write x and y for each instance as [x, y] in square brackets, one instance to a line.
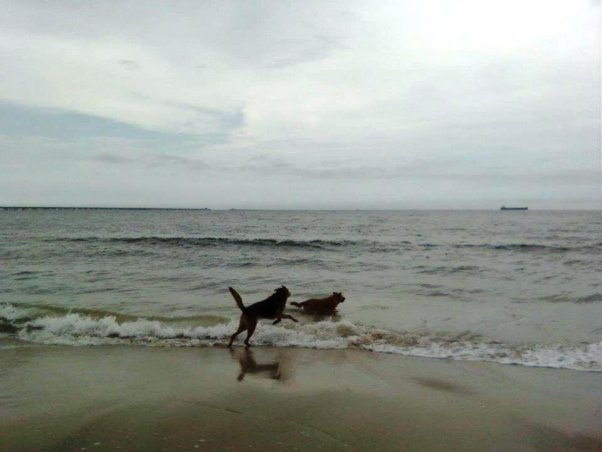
[380, 246]
[101, 328]
[209, 241]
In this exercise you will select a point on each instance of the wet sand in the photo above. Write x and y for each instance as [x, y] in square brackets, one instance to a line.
[143, 398]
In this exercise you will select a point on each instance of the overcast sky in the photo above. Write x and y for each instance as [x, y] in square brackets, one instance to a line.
[285, 104]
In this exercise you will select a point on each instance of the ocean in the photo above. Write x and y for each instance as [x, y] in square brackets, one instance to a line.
[509, 287]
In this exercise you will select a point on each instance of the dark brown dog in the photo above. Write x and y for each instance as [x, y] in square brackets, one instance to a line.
[270, 308]
[321, 306]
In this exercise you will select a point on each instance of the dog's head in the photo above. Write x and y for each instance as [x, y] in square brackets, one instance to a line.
[338, 297]
[283, 292]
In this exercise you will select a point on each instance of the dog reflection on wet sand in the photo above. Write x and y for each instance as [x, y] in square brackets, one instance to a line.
[248, 365]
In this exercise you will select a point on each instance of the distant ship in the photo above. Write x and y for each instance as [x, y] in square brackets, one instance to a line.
[513, 208]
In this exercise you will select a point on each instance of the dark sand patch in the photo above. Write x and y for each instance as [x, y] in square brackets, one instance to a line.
[442, 385]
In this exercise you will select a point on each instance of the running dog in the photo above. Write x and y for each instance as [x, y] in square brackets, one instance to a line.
[321, 306]
[270, 308]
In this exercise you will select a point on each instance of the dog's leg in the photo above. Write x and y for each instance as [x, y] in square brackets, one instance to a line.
[250, 330]
[241, 327]
[278, 316]
[286, 316]
[234, 336]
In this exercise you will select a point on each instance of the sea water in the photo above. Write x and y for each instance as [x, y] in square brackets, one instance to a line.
[518, 287]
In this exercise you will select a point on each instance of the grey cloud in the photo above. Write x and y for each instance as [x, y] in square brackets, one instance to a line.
[111, 158]
[374, 99]
[186, 162]
[150, 160]
[425, 171]
[267, 34]
[131, 65]
[421, 173]
[288, 52]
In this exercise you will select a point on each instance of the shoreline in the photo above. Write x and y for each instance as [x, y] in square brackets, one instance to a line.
[254, 209]
[132, 398]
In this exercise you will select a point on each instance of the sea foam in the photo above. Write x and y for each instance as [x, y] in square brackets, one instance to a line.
[79, 330]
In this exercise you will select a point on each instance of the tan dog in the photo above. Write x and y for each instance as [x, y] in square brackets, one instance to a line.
[321, 306]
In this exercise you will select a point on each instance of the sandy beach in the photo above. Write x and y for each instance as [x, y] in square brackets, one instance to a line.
[134, 398]
[397, 204]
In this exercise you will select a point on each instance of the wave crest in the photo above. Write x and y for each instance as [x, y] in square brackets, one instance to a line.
[209, 241]
[377, 246]
[80, 329]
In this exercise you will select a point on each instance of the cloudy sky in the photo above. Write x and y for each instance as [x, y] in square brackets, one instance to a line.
[300, 104]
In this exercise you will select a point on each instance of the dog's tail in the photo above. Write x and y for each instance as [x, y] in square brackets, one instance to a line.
[299, 305]
[238, 299]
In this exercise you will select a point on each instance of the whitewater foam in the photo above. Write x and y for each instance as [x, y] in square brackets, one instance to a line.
[80, 330]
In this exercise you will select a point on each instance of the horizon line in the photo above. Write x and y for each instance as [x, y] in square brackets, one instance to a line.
[50, 207]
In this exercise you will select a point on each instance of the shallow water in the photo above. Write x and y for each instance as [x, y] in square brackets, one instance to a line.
[521, 287]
